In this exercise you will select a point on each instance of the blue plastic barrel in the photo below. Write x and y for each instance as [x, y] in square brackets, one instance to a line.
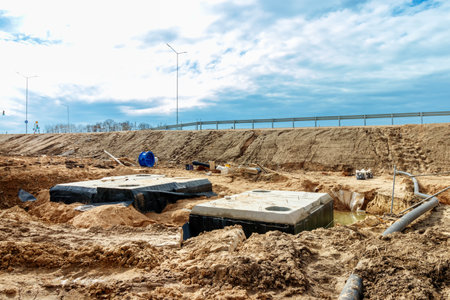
[147, 159]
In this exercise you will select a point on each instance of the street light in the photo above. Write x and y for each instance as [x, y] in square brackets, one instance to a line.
[177, 53]
[68, 123]
[26, 100]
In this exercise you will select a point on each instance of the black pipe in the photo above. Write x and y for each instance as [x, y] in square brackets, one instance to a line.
[353, 288]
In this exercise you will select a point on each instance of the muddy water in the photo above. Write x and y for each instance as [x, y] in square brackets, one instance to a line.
[347, 217]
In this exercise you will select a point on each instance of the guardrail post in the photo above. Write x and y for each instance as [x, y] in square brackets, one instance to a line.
[315, 121]
[392, 119]
[253, 124]
[234, 124]
[196, 125]
[364, 120]
[272, 123]
[293, 124]
[201, 123]
[421, 118]
[217, 125]
[339, 120]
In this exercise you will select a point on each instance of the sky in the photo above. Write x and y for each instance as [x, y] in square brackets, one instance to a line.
[245, 59]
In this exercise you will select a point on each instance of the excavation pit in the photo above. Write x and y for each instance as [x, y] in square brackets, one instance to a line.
[147, 192]
[261, 211]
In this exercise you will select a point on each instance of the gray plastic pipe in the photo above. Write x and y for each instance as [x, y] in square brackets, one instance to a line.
[404, 221]
[416, 184]
[352, 289]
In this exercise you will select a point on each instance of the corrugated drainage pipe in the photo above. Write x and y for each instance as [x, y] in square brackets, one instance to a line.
[415, 213]
[352, 289]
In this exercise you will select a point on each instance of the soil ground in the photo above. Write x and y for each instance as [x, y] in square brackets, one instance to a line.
[51, 251]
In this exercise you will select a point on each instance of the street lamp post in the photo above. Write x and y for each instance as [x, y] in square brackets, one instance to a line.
[26, 100]
[177, 53]
[68, 123]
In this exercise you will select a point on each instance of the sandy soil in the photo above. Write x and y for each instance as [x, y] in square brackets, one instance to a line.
[414, 148]
[50, 251]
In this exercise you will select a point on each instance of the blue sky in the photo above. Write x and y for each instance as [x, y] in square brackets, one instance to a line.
[245, 59]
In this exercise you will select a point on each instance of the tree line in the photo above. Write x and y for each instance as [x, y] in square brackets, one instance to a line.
[108, 125]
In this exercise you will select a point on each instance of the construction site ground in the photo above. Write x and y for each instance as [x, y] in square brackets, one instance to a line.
[51, 251]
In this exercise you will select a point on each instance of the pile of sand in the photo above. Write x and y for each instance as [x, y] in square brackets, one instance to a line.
[16, 214]
[107, 216]
[50, 256]
[52, 212]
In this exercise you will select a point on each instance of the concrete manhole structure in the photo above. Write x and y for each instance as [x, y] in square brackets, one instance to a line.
[146, 192]
[261, 211]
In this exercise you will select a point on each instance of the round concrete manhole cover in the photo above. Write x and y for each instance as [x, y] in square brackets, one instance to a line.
[278, 208]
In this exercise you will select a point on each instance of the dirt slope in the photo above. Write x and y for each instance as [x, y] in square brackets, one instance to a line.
[414, 148]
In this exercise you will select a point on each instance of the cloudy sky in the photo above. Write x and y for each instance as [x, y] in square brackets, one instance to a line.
[245, 59]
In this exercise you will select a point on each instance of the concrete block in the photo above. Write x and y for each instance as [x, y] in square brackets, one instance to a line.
[148, 192]
[261, 211]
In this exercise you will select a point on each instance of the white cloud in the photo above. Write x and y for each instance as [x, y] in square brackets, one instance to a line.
[102, 54]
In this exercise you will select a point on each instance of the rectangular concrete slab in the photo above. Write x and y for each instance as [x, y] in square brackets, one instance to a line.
[126, 181]
[261, 211]
[148, 192]
[284, 207]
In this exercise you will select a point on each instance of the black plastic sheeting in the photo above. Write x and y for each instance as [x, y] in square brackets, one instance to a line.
[145, 199]
[198, 224]
[186, 231]
[24, 196]
[322, 216]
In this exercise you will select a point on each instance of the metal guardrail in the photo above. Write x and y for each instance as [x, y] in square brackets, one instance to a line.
[200, 124]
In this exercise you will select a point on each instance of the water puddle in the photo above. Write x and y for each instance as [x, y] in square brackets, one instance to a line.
[348, 217]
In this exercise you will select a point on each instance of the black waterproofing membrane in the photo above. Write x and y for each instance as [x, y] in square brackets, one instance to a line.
[145, 199]
[24, 196]
[322, 216]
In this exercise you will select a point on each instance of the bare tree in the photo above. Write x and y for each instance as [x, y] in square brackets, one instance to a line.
[143, 126]
[109, 125]
[126, 126]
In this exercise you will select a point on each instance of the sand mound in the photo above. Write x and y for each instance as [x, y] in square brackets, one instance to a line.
[106, 216]
[52, 212]
[16, 214]
[50, 256]
[224, 258]
[226, 239]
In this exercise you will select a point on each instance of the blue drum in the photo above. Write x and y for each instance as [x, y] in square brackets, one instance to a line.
[147, 159]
